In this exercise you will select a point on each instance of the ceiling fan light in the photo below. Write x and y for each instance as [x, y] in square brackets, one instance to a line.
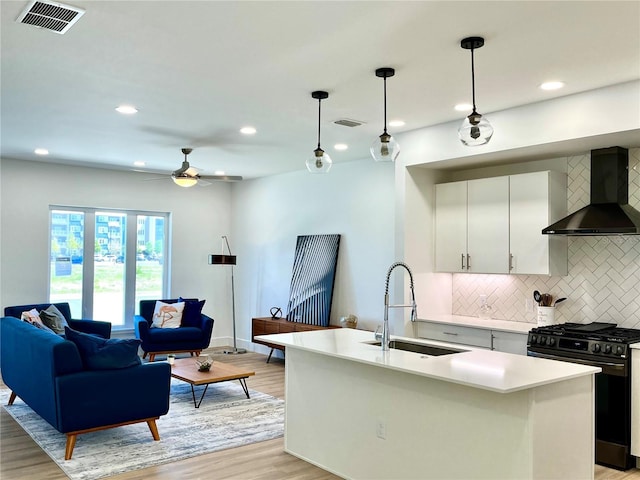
[475, 130]
[185, 182]
[320, 162]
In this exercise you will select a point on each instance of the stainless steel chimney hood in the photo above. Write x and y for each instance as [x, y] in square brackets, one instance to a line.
[609, 212]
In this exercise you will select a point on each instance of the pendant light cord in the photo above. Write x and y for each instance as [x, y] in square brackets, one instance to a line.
[385, 104]
[473, 82]
[319, 100]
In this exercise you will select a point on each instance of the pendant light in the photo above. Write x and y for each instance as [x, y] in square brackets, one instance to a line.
[320, 162]
[385, 148]
[475, 129]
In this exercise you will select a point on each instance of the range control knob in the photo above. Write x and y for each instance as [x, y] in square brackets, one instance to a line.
[542, 341]
[619, 349]
[607, 348]
[534, 339]
[552, 341]
[595, 348]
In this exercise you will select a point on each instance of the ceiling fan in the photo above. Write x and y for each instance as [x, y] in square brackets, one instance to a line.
[188, 176]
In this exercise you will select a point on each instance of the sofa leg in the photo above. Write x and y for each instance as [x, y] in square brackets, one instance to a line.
[144, 355]
[152, 357]
[154, 429]
[12, 398]
[71, 443]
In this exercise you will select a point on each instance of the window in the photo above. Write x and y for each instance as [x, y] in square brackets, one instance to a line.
[124, 261]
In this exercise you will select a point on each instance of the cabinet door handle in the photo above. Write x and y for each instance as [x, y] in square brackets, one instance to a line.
[468, 261]
[450, 333]
[462, 261]
[510, 261]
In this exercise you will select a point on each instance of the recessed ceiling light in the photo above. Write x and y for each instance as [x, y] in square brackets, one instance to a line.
[341, 146]
[41, 151]
[463, 107]
[396, 123]
[248, 130]
[555, 85]
[219, 172]
[127, 109]
[139, 163]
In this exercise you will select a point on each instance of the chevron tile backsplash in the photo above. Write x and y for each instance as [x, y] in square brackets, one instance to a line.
[603, 283]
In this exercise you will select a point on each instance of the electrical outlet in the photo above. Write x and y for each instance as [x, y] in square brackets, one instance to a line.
[528, 305]
[381, 430]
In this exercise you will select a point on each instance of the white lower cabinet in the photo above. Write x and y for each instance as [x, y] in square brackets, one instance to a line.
[635, 402]
[509, 342]
[444, 332]
[501, 341]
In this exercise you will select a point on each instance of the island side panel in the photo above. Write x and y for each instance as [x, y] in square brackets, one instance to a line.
[563, 425]
[337, 409]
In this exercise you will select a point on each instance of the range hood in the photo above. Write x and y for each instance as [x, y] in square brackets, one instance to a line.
[609, 212]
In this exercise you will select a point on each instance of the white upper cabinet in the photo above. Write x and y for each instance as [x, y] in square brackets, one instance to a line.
[488, 225]
[451, 227]
[494, 225]
[472, 226]
[536, 201]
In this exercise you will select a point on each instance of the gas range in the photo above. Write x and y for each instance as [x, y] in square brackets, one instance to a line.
[597, 339]
[606, 346]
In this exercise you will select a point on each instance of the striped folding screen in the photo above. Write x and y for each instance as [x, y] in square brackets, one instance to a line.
[314, 273]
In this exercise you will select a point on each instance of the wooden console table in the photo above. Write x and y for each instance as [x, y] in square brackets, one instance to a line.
[269, 325]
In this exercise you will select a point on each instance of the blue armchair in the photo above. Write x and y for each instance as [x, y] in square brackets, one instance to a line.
[192, 337]
[96, 327]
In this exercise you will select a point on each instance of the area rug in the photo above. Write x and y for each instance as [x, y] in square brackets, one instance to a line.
[225, 419]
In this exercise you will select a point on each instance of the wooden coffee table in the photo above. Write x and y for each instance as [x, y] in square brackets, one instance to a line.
[185, 369]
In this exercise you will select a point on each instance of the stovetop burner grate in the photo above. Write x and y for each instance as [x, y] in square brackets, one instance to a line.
[592, 331]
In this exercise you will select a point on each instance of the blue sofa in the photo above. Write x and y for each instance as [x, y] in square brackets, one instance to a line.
[47, 372]
[192, 338]
[86, 326]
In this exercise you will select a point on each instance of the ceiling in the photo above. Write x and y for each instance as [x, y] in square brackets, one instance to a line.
[199, 71]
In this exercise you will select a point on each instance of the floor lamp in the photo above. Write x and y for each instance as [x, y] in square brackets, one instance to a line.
[228, 260]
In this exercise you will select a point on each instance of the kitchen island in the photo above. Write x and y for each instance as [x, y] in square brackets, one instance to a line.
[362, 413]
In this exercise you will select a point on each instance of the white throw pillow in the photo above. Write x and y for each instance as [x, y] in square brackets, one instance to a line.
[168, 315]
[33, 317]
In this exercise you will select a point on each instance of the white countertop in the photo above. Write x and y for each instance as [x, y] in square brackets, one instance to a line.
[635, 345]
[479, 368]
[490, 324]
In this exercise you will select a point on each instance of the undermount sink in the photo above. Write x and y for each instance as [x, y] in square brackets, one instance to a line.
[419, 348]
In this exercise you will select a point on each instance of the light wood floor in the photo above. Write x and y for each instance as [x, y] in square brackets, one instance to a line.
[22, 459]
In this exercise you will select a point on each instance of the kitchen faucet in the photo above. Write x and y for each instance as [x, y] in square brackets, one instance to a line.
[384, 338]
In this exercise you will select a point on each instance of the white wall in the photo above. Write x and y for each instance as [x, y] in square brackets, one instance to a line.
[199, 216]
[563, 125]
[355, 200]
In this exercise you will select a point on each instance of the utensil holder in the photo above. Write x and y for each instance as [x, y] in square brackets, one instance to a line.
[546, 316]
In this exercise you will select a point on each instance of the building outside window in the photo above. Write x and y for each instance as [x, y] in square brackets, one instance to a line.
[102, 267]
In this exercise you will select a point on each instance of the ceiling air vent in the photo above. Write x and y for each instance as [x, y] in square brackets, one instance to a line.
[348, 123]
[50, 15]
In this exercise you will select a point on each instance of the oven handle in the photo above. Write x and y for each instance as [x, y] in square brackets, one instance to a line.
[608, 368]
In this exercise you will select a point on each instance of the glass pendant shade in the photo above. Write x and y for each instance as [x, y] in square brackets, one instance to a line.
[385, 148]
[475, 130]
[185, 181]
[320, 162]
